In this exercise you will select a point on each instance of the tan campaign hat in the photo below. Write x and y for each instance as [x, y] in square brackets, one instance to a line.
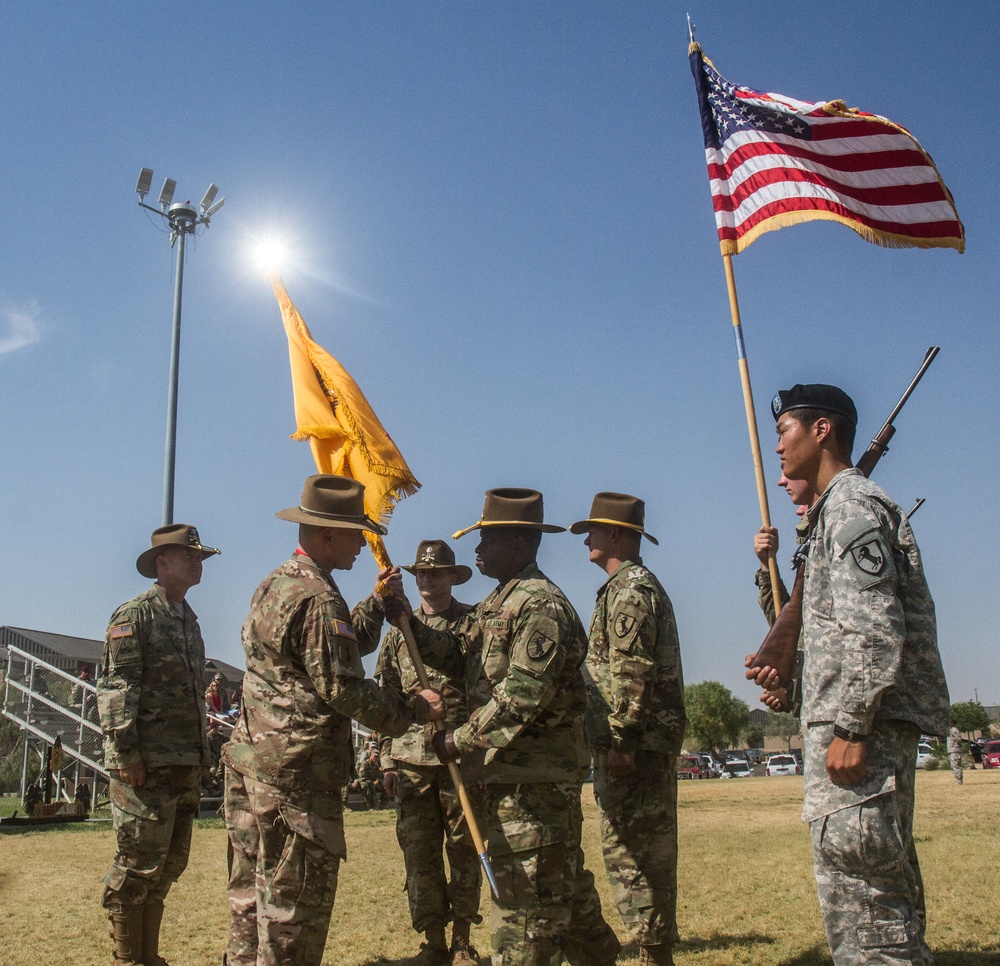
[616, 510]
[437, 555]
[512, 506]
[332, 501]
[173, 535]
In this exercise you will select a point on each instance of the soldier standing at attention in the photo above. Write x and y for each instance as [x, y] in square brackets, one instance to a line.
[290, 752]
[955, 752]
[872, 682]
[428, 812]
[521, 651]
[149, 695]
[635, 719]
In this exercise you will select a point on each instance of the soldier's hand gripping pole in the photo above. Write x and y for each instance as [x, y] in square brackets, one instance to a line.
[456, 774]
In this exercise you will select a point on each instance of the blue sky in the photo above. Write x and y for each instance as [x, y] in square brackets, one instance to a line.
[503, 229]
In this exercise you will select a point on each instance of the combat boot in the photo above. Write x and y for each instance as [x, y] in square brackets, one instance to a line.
[658, 955]
[463, 953]
[126, 937]
[152, 916]
[433, 952]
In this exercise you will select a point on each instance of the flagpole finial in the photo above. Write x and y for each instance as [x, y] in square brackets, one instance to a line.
[692, 27]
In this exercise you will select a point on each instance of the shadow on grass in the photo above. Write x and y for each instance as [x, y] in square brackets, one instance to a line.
[721, 941]
[988, 956]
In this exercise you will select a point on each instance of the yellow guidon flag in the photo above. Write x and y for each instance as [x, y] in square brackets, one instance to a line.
[346, 436]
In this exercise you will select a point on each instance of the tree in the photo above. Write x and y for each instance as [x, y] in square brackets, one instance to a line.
[781, 724]
[715, 716]
[970, 716]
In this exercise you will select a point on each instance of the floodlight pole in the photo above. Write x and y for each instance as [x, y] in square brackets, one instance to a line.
[183, 219]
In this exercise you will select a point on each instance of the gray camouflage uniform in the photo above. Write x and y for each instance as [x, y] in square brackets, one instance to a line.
[635, 690]
[149, 696]
[289, 758]
[520, 651]
[428, 811]
[871, 667]
[955, 754]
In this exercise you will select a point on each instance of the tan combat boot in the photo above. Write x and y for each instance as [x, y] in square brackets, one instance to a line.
[659, 955]
[463, 953]
[152, 916]
[126, 937]
[434, 951]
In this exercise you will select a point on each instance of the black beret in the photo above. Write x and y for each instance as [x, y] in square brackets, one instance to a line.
[814, 396]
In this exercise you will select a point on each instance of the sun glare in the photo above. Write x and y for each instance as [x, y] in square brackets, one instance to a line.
[270, 255]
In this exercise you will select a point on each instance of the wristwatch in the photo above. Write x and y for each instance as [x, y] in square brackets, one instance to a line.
[846, 735]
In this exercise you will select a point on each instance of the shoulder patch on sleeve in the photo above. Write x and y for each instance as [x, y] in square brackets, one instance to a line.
[339, 628]
[120, 630]
[539, 645]
[624, 626]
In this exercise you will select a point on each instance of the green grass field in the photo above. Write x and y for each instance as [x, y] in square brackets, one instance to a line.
[746, 886]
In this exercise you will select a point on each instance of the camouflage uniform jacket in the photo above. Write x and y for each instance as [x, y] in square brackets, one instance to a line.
[635, 686]
[395, 671]
[868, 622]
[303, 684]
[521, 650]
[150, 690]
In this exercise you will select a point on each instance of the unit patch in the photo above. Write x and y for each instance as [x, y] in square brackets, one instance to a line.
[539, 646]
[624, 625]
[869, 557]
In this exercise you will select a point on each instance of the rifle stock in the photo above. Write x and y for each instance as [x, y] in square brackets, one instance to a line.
[779, 647]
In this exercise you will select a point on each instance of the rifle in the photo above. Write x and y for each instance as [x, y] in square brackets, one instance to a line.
[781, 644]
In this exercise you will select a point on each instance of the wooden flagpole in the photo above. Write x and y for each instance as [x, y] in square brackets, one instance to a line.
[758, 463]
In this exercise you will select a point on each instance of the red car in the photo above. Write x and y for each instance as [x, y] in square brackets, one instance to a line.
[691, 766]
[991, 753]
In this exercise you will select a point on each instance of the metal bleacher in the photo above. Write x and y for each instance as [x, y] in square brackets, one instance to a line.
[47, 702]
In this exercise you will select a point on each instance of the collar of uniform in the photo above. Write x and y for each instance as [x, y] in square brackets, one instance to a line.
[306, 559]
[186, 610]
[625, 563]
[531, 570]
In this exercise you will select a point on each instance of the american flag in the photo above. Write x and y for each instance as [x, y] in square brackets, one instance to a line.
[775, 161]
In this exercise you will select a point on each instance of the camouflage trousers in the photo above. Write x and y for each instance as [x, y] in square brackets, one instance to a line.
[867, 875]
[548, 905]
[153, 830]
[639, 839]
[956, 767]
[428, 813]
[283, 873]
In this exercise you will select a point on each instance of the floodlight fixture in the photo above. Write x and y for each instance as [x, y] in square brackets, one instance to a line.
[210, 194]
[211, 211]
[143, 184]
[167, 193]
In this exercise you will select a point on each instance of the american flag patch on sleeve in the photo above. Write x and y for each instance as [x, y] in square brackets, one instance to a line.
[120, 630]
[341, 629]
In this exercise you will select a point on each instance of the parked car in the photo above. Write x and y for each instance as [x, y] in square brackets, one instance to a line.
[925, 752]
[991, 753]
[736, 768]
[782, 765]
[691, 766]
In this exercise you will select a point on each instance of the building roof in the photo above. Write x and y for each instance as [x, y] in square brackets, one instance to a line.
[82, 649]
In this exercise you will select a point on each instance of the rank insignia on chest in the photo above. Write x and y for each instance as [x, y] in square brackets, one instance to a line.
[624, 625]
[869, 558]
[539, 645]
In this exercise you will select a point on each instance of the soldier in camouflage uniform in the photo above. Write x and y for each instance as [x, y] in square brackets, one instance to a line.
[955, 752]
[635, 719]
[149, 695]
[290, 752]
[428, 811]
[370, 779]
[520, 651]
[872, 682]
